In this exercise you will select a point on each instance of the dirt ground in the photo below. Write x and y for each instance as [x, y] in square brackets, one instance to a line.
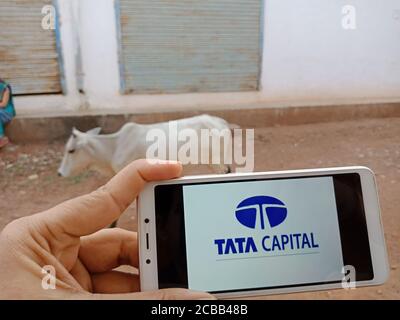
[29, 181]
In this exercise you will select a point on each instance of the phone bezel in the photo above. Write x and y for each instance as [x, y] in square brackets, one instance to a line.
[147, 227]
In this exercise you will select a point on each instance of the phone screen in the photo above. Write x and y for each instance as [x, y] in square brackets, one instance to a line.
[261, 234]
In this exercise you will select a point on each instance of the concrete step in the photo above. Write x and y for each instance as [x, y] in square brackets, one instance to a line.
[43, 129]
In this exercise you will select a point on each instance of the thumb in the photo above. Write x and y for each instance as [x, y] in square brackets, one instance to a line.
[163, 294]
[89, 213]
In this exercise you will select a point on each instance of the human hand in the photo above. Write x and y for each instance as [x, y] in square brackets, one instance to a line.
[70, 237]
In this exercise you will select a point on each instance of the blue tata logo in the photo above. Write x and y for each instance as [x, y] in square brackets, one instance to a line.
[257, 208]
[259, 212]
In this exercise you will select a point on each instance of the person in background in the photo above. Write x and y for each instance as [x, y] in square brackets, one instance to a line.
[7, 110]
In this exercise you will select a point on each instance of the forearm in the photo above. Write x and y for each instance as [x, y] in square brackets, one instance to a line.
[5, 99]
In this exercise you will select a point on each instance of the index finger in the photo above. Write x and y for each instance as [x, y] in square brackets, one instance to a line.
[89, 213]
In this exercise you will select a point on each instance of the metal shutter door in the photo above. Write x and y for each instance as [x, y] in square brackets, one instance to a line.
[190, 45]
[28, 54]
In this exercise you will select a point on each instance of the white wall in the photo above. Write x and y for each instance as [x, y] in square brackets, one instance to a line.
[99, 51]
[308, 59]
[309, 56]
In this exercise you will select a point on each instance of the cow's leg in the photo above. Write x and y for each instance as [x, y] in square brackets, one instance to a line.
[221, 168]
[226, 168]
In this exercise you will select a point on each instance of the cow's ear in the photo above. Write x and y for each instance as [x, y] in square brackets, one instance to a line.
[94, 131]
[75, 132]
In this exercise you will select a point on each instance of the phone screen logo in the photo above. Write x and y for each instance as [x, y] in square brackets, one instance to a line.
[257, 208]
[262, 212]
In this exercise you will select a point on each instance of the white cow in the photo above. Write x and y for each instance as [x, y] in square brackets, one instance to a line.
[109, 153]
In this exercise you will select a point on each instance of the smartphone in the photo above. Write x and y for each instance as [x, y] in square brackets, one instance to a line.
[262, 233]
